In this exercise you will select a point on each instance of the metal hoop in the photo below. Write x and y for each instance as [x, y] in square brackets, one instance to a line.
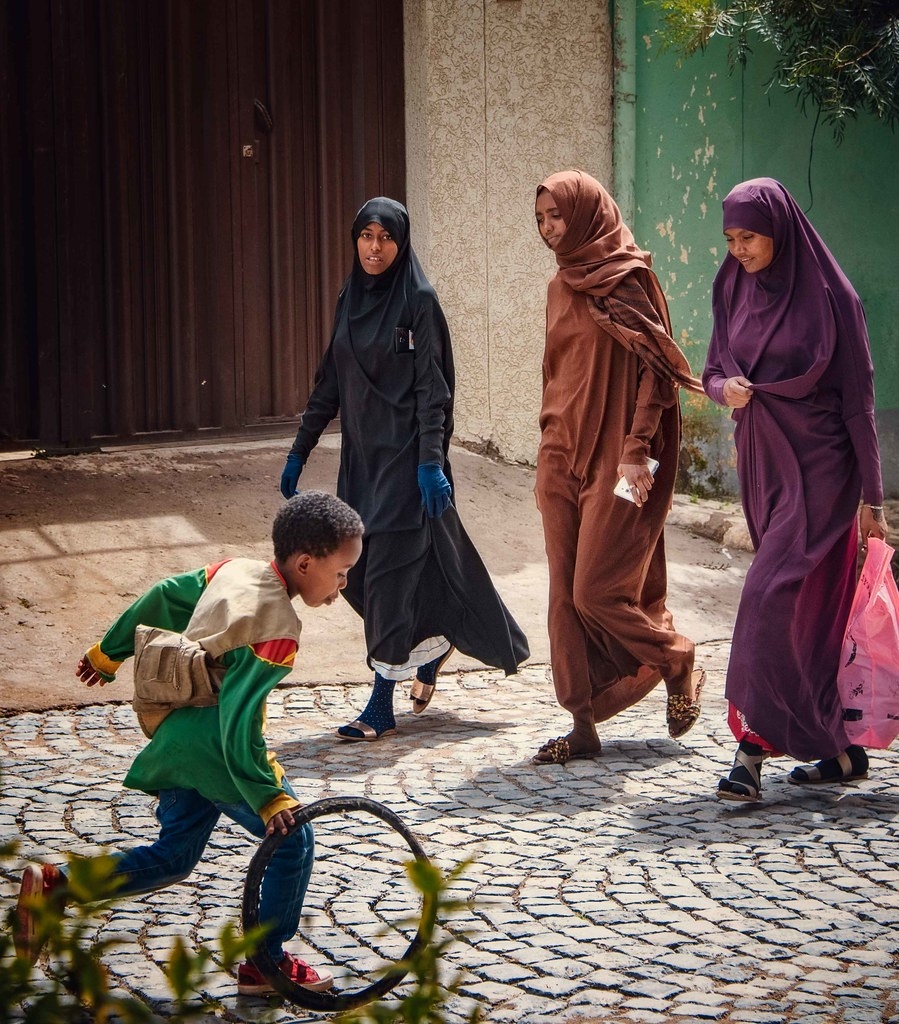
[324, 1002]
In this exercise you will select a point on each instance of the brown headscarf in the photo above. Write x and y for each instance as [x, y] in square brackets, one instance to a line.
[597, 253]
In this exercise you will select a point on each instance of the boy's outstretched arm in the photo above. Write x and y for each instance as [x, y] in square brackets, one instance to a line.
[168, 604]
[89, 675]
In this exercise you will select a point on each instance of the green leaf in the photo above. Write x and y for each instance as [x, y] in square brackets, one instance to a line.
[842, 59]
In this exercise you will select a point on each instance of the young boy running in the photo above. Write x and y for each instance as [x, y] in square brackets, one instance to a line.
[202, 762]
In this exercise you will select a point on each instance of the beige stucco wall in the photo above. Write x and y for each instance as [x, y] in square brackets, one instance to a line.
[499, 94]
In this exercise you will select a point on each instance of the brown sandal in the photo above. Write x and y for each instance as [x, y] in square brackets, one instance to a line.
[367, 733]
[558, 751]
[682, 712]
[421, 693]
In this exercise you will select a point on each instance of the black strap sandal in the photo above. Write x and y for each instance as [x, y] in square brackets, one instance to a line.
[745, 780]
[852, 764]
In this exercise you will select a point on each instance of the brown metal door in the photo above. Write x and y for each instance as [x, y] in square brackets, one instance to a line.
[320, 112]
[178, 180]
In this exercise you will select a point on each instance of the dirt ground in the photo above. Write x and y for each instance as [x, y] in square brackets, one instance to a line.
[81, 536]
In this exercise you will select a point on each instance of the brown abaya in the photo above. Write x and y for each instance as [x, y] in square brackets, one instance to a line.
[612, 638]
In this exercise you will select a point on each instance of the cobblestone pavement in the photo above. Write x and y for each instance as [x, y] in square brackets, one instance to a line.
[615, 889]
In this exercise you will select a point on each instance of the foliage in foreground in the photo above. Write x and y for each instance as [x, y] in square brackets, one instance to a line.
[839, 58]
[424, 1004]
[79, 988]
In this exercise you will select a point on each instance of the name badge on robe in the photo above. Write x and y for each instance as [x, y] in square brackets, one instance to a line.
[403, 340]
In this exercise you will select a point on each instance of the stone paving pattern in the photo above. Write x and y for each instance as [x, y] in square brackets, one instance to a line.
[616, 889]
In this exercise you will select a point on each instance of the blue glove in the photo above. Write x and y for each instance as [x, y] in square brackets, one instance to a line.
[291, 475]
[435, 489]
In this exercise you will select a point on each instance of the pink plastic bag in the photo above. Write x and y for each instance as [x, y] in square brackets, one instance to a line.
[868, 676]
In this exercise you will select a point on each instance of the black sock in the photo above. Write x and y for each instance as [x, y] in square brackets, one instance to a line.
[378, 711]
[740, 775]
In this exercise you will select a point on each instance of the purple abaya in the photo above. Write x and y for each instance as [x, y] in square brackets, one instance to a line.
[806, 448]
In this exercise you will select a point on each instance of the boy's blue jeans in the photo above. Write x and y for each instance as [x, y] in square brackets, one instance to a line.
[186, 822]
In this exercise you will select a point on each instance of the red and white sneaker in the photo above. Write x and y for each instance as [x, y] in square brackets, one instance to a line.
[39, 882]
[252, 982]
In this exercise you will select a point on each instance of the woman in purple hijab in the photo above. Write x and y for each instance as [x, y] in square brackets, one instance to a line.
[789, 353]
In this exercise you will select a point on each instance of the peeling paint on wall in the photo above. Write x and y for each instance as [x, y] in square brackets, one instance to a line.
[721, 129]
[666, 229]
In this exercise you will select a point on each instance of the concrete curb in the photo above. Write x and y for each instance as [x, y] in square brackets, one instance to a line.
[724, 523]
[720, 521]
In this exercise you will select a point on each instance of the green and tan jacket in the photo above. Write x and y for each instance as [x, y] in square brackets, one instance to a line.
[240, 611]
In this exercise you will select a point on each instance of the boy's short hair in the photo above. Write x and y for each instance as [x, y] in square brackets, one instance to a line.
[313, 523]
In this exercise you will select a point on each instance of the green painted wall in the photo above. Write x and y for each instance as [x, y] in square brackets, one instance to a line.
[698, 132]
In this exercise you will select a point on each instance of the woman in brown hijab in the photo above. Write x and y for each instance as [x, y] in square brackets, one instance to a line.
[611, 373]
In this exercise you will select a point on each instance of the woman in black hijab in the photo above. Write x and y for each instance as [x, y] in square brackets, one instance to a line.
[420, 585]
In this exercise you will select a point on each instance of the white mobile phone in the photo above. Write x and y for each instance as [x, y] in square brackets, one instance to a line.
[622, 488]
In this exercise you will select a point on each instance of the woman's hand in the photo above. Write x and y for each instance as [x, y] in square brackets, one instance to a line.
[436, 490]
[290, 478]
[737, 392]
[872, 523]
[639, 480]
